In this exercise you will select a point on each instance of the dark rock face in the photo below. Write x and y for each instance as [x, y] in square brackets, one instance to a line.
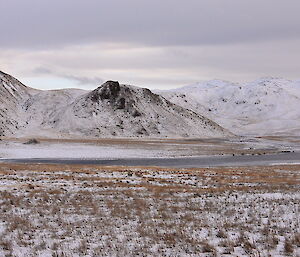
[136, 113]
[153, 98]
[32, 141]
[118, 96]
[121, 103]
[109, 90]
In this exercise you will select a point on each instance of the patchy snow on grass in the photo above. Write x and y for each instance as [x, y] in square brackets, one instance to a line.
[55, 210]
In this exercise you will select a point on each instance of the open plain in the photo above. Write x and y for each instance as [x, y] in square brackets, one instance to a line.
[75, 210]
[95, 210]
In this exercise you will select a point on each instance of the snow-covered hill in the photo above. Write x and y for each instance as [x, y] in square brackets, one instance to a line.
[126, 111]
[42, 107]
[110, 110]
[12, 94]
[267, 106]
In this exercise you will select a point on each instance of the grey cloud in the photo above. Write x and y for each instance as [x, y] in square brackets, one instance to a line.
[156, 67]
[55, 23]
[80, 80]
[42, 70]
[85, 80]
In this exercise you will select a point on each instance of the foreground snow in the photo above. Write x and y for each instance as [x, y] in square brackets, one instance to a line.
[51, 210]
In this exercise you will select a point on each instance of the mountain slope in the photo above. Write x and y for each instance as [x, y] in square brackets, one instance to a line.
[110, 110]
[40, 108]
[12, 94]
[263, 107]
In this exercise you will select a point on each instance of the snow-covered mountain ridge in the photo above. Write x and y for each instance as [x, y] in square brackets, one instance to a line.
[12, 94]
[268, 106]
[111, 110]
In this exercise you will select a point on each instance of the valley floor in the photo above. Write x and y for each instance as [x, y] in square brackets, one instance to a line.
[143, 148]
[74, 210]
[92, 210]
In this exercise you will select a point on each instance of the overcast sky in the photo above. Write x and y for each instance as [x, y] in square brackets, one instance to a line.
[148, 43]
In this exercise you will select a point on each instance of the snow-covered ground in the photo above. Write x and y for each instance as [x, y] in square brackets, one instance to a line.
[51, 210]
[73, 150]
[112, 149]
